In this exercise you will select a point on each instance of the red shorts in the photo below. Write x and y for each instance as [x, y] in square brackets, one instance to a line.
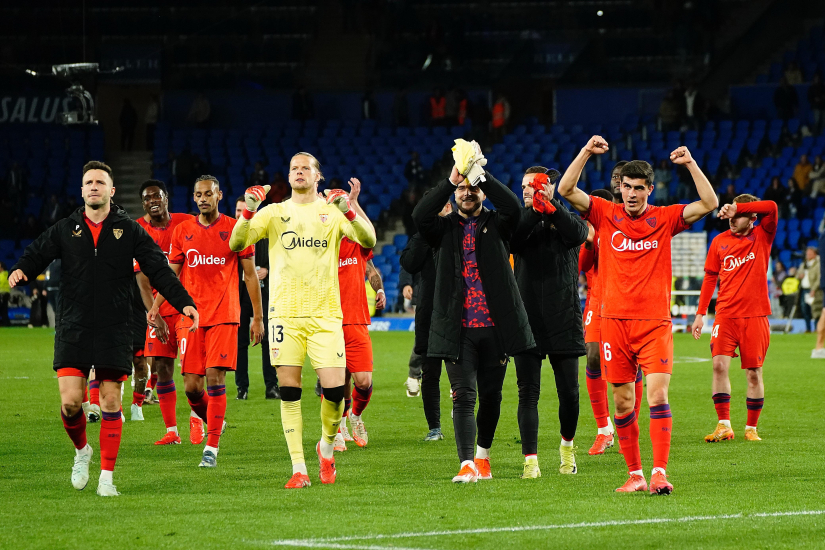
[592, 326]
[156, 348]
[138, 353]
[101, 375]
[628, 344]
[358, 347]
[751, 334]
[212, 347]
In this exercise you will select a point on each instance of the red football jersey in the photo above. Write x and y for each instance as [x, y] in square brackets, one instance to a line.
[634, 258]
[589, 263]
[210, 268]
[352, 270]
[740, 263]
[163, 238]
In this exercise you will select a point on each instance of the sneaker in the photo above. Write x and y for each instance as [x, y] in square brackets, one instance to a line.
[345, 433]
[273, 393]
[413, 386]
[93, 414]
[339, 445]
[633, 484]
[359, 431]
[137, 413]
[80, 470]
[298, 481]
[327, 473]
[483, 468]
[242, 394]
[319, 391]
[196, 430]
[568, 460]
[170, 438]
[209, 460]
[818, 353]
[107, 489]
[721, 433]
[434, 435]
[602, 443]
[531, 469]
[752, 435]
[467, 474]
[659, 484]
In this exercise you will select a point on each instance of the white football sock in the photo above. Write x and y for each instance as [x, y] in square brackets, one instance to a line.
[482, 453]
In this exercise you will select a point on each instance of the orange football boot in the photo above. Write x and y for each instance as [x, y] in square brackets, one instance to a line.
[602, 443]
[483, 467]
[721, 433]
[633, 484]
[328, 472]
[171, 438]
[659, 484]
[297, 481]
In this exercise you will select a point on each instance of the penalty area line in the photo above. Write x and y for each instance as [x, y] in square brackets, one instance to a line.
[337, 542]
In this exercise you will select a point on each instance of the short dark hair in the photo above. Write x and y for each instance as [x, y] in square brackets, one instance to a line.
[242, 199]
[97, 165]
[638, 170]
[618, 165]
[153, 183]
[535, 170]
[603, 194]
[553, 175]
[207, 177]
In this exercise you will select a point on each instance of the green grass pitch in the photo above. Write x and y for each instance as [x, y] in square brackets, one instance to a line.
[736, 494]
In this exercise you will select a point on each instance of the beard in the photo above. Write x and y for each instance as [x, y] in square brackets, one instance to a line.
[469, 211]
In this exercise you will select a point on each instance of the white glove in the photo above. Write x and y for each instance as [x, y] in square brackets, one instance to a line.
[475, 170]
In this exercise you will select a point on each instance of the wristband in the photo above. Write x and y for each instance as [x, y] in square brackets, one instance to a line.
[248, 214]
[350, 214]
[381, 290]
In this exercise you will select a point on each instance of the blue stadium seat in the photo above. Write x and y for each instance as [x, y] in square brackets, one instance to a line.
[400, 241]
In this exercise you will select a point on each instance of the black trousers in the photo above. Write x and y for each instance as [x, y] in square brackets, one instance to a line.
[528, 376]
[479, 372]
[242, 368]
[429, 371]
[4, 309]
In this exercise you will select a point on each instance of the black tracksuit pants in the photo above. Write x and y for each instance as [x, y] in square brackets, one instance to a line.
[242, 366]
[479, 372]
[528, 375]
[429, 371]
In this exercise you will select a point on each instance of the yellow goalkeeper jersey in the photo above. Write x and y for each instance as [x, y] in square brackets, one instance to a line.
[303, 254]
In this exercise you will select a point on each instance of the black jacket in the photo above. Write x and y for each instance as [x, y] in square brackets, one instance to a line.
[417, 261]
[546, 253]
[493, 233]
[97, 286]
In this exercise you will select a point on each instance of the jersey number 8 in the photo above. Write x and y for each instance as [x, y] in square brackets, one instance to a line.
[589, 318]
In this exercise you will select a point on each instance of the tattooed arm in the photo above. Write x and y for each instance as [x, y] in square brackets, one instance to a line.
[374, 277]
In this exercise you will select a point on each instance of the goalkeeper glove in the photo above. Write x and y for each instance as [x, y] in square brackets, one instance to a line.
[253, 197]
[340, 199]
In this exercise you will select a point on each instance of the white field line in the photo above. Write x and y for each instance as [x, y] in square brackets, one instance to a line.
[691, 360]
[335, 542]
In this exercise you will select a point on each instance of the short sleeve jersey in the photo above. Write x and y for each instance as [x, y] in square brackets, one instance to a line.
[304, 240]
[163, 238]
[741, 262]
[352, 271]
[634, 258]
[210, 268]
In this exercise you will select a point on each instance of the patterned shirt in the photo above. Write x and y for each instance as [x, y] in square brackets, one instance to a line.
[476, 313]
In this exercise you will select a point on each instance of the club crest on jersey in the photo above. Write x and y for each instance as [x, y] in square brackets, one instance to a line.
[621, 243]
[324, 218]
[77, 233]
[224, 235]
[732, 262]
[118, 233]
[651, 222]
[275, 352]
[151, 344]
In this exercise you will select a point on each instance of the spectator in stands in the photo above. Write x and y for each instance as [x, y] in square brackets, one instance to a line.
[786, 100]
[817, 177]
[369, 108]
[438, 108]
[5, 293]
[151, 121]
[38, 317]
[414, 171]
[303, 108]
[128, 123]
[32, 228]
[16, 185]
[695, 107]
[500, 116]
[802, 172]
[279, 189]
[816, 100]
[793, 74]
[777, 193]
[199, 112]
[258, 176]
[779, 273]
[662, 176]
[790, 292]
[793, 198]
[670, 111]
[808, 274]
[463, 107]
[51, 211]
[451, 108]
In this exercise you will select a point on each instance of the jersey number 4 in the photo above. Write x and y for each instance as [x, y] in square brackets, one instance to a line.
[716, 331]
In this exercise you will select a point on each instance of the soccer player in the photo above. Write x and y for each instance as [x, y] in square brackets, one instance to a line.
[140, 368]
[545, 250]
[98, 244]
[208, 268]
[304, 235]
[635, 276]
[738, 259]
[354, 265]
[161, 340]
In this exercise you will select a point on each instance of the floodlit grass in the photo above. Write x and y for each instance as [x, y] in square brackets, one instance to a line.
[400, 484]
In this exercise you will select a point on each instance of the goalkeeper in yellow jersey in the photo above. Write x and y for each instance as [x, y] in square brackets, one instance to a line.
[304, 235]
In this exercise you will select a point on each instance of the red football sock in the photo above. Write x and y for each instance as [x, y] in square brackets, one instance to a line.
[168, 397]
[661, 426]
[722, 403]
[347, 404]
[111, 428]
[94, 392]
[627, 428]
[76, 428]
[360, 400]
[216, 411]
[640, 390]
[754, 408]
[153, 382]
[597, 390]
[137, 399]
[199, 405]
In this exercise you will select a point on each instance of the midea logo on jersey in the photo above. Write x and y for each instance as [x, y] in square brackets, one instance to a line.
[195, 258]
[347, 261]
[621, 242]
[732, 262]
[290, 240]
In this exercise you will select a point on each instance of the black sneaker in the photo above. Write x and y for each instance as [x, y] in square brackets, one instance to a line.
[319, 391]
[273, 393]
[242, 394]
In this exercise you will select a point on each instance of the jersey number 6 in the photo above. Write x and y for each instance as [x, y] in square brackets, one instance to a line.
[607, 354]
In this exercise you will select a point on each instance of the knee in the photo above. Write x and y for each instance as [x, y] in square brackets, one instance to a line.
[494, 397]
[335, 395]
[464, 396]
[754, 377]
[657, 396]
[70, 406]
[719, 368]
[289, 394]
[194, 395]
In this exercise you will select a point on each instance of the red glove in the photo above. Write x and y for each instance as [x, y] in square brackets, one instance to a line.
[540, 205]
[340, 199]
[253, 197]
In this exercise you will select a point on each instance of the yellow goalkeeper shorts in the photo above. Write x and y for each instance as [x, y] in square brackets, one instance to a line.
[291, 338]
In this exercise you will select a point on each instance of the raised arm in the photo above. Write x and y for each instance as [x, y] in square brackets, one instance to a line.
[766, 209]
[572, 228]
[354, 192]
[252, 226]
[425, 214]
[504, 200]
[567, 186]
[708, 201]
